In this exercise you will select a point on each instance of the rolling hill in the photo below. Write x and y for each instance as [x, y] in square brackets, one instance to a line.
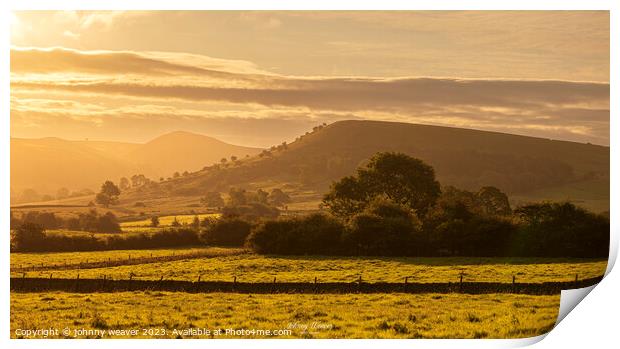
[47, 164]
[527, 168]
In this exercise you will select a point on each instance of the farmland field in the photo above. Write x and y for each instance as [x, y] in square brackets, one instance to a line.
[307, 316]
[166, 221]
[249, 267]
[28, 260]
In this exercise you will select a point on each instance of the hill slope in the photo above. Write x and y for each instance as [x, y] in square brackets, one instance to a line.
[527, 168]
[47, 164]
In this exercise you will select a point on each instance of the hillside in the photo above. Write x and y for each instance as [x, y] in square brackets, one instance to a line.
[527, 168]
[48, 164]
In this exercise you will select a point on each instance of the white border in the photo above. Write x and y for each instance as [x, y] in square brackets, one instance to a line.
[570, 333]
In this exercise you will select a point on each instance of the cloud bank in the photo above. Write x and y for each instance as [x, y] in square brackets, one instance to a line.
[178, 85]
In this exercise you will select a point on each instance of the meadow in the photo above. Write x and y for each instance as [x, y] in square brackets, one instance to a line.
[164, 221]
[29, 260]
[306, 316]
[249, 267]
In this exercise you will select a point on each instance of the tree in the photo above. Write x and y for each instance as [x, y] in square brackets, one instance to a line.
[227, 232]
[138, 180]
[28, 237]
[493, 201]
[154, 221]
[384, 228]
[261, 196]
[176, 175]
[196, 223]
[562, 230]
[403, 179]
[108, 195]
[278, 198]
[108, 224]
[124, 183]
[212, 199]
[223, 160]
[233, 158]
[237, 197]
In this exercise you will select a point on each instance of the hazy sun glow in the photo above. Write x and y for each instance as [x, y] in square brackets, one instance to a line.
[99, 74]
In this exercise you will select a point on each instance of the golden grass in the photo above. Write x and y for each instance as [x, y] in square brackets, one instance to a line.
[166, 221]
[260, 268]
[307, 316]
[33, 259]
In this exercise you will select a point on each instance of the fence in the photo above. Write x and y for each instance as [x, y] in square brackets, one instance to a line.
[24, 284]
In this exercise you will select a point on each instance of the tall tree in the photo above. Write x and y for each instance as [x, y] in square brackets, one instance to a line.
[398, 177]
[108, 195]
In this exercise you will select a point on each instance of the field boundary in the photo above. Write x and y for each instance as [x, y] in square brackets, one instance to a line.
[128, 261]
[24, 284]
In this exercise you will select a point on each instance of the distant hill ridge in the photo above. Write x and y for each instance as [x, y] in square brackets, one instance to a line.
[528, 168]
[47, 164]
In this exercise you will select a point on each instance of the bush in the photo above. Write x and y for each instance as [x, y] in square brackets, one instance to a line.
[252, 211]
[561, 230]
[383, 228]
[312, 234]
[28, 237]
[31, 238]
[227, 232]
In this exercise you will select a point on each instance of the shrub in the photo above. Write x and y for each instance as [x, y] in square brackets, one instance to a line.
[312, 234]
[252, 211]
[227, 232]
[383, 228]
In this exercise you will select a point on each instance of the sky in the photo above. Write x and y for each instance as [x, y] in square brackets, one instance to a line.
[257, 78]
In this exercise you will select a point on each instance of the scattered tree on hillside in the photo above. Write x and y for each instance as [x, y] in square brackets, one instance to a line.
[261, 196]
[223, 161]
[233, 158]
[139, 180]
[176, 174]
[108, 195]
[124, 184]
[212, 199]
[175, 222]
[154, 221]
[278, 198]
[237, 197]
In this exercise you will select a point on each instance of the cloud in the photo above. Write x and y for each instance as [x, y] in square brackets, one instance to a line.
[571, 110]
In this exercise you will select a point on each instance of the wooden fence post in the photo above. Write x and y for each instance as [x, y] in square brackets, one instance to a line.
[406, 279]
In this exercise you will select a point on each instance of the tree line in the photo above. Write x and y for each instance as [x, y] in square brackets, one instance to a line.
[393, 206]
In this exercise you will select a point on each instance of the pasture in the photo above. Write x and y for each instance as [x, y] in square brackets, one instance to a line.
[51, 259]
[248, 267]
[166, 221]
[306, 316]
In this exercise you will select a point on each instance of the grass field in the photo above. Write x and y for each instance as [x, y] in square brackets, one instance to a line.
[259, 268]
[166, 221]
[27, 260]
[307, 316]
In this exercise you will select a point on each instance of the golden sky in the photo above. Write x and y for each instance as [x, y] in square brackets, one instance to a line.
[257, 78]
